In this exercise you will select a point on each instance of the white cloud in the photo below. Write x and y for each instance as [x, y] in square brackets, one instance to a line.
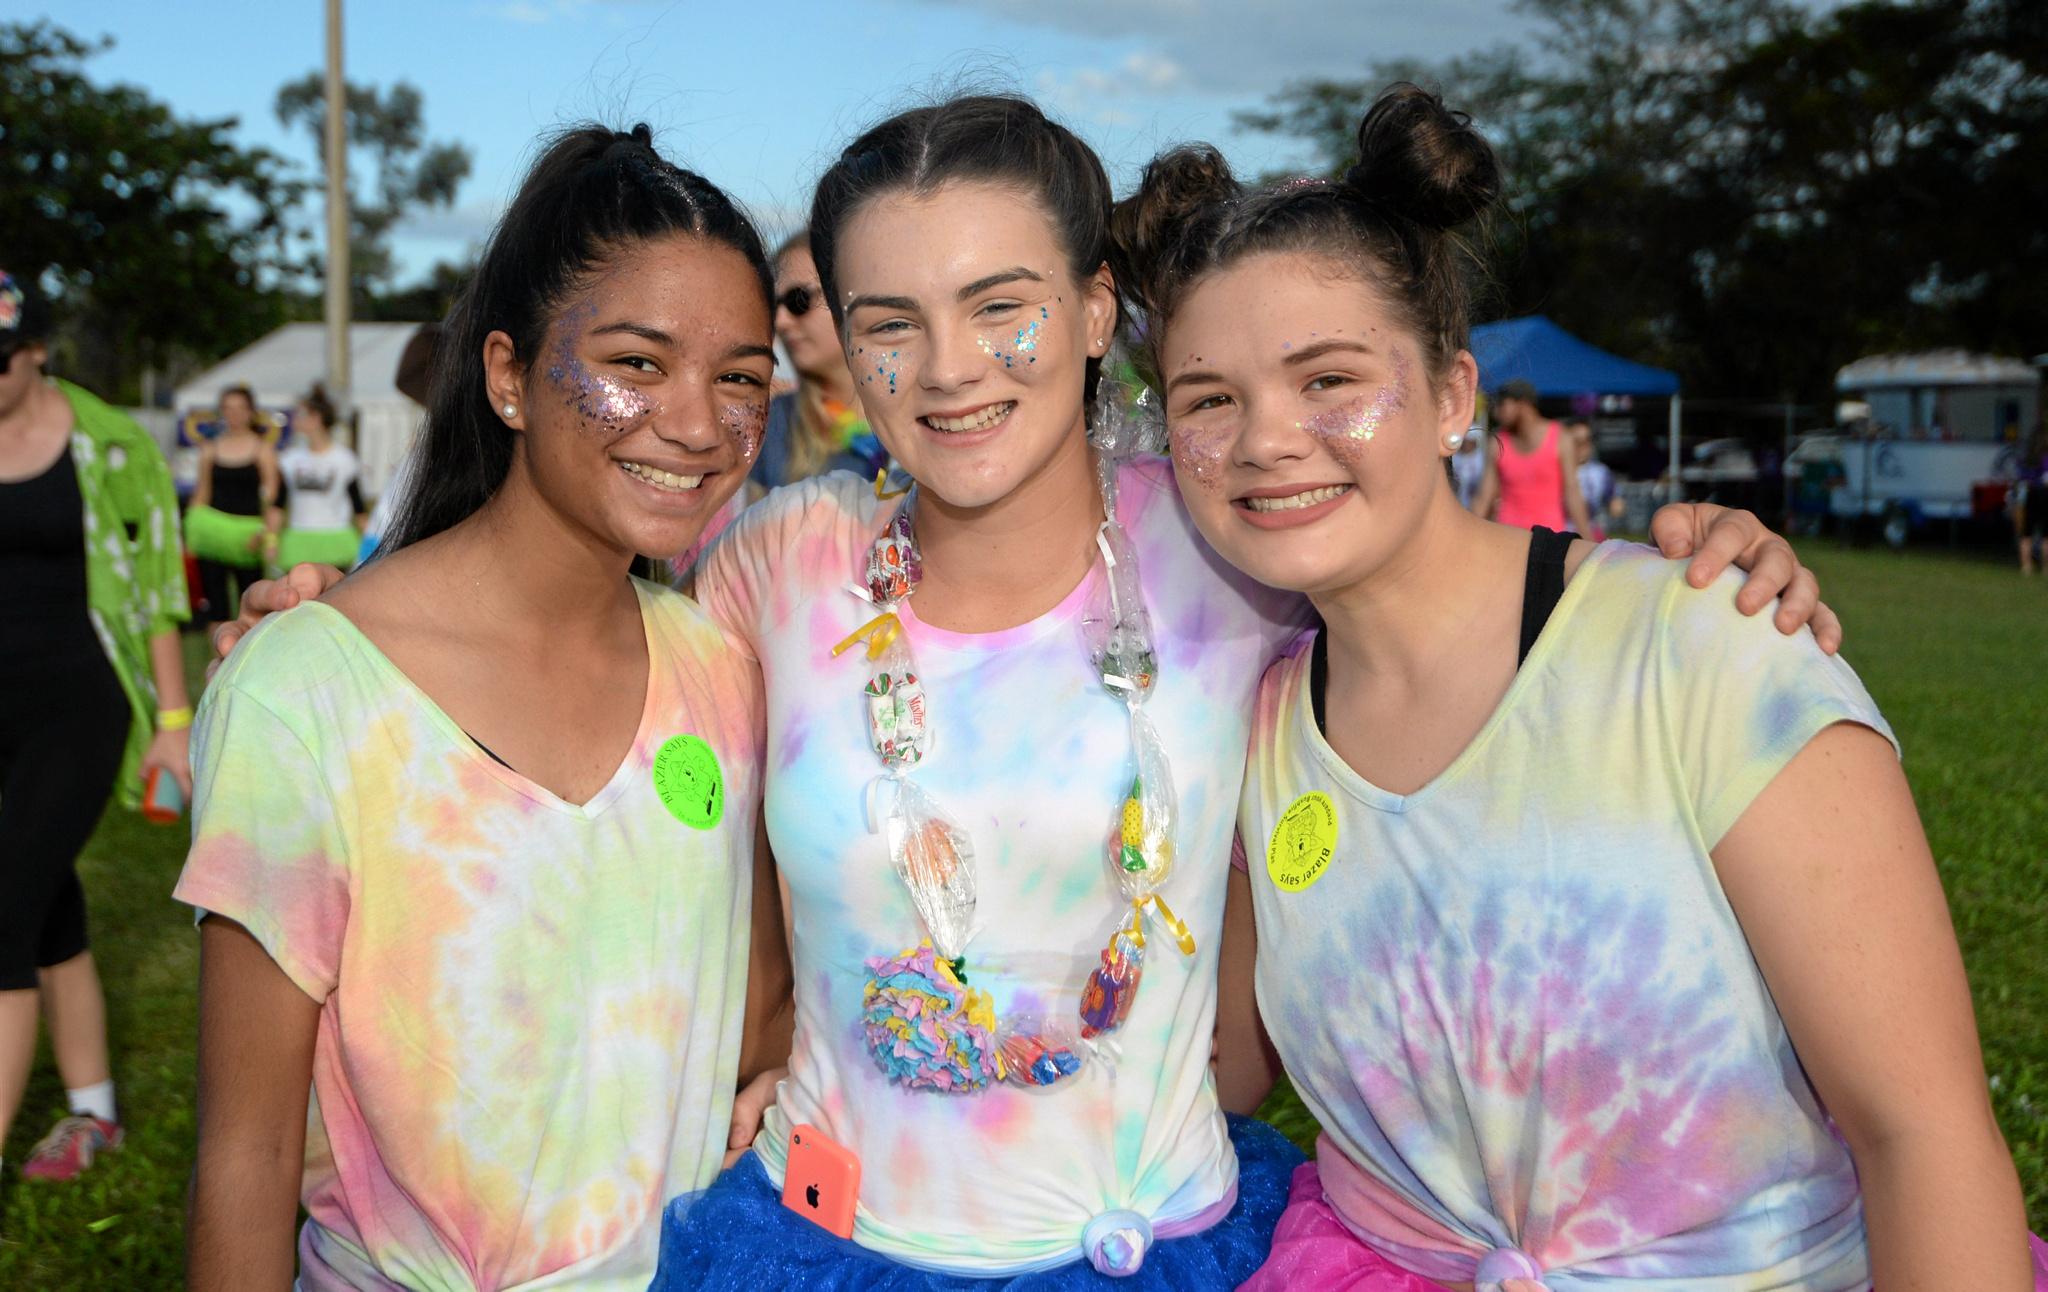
[1092, 91]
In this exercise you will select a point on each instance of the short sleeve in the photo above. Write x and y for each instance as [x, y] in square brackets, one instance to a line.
[1740, 699]
[736, 578]
[266, 850]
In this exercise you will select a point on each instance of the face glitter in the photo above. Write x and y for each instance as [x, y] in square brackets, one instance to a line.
[745, 423]
[605, 403]
[1201, 451]
[1346, 429]
[885, 369]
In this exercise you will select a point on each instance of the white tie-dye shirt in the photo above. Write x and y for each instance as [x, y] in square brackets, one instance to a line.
[1032, 757]
[1517, 999]
[529, 1009]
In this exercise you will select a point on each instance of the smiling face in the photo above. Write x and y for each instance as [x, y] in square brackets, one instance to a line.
[644, 409]
[1307, 435]
[968, 336]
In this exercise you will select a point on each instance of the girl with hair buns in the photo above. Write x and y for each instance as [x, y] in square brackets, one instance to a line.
[474, 838]
[1665, 1001]
[1005, 921]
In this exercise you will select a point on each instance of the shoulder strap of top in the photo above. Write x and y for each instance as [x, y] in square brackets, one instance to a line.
[1542, 585]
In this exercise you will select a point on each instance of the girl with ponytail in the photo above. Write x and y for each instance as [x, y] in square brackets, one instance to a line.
[1670, 1001]
[473, 838]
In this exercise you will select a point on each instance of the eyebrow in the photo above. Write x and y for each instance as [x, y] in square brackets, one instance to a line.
[1192, 377]
[880, 302]
[749, 351]
[1310, 353]
[641, 330]
[997, 279]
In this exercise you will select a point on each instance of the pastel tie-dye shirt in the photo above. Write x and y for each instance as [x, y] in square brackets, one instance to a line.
[529, 1010]
[1517, 999]
[1032, 756]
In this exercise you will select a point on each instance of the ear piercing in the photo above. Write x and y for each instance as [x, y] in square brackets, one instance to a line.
[511, 410]
[1453, 440]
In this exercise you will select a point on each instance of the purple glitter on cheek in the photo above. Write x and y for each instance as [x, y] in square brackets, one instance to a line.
[1202, 452]
[745, 423]
[605, 404]
[1346, 429]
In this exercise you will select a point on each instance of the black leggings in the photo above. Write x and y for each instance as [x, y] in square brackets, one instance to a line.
[63, 729]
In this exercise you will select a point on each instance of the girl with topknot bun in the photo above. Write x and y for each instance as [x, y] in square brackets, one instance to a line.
[1667, 1001]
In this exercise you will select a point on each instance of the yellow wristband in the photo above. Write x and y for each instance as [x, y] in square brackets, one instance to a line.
[174, 719]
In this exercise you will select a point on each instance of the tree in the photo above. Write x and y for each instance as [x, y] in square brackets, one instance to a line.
[1752, 193]
[130, 212]
[409, 173]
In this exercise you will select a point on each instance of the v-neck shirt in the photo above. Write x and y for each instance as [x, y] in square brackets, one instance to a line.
[1517, 1000]
[530, 1009]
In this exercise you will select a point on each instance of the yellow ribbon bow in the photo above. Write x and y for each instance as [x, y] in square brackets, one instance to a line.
[1174, 924]
[877, 632]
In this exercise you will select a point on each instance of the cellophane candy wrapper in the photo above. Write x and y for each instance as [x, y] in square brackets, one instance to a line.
[899, 724]
[924, 1027]
[935, 860]
[894, 566]
[1039, 1050]
[1118, 628]
[1141, 840]
[1106, 998]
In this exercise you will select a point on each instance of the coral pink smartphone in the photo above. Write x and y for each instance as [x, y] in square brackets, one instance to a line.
[821, 1180]
[162, 801]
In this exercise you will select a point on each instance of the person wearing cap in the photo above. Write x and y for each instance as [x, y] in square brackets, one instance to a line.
[92, 700]
[1531, 471]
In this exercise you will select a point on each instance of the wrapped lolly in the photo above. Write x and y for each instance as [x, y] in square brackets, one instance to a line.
[935, 860]
[1120, 633]
[1141, 839]
[1038, 1051]
[897, 723]
[1106, 999]
[894, 566]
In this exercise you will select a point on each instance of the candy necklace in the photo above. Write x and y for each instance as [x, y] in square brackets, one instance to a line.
[924, 1024]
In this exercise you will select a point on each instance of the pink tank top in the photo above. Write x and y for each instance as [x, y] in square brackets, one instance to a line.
[1531, 484]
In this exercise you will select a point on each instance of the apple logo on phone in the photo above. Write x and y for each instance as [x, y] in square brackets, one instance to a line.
[811, 1195]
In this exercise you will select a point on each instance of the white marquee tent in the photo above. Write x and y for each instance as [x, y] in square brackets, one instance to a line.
[284, 365]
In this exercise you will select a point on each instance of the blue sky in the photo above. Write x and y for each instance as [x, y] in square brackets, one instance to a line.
[760, 96]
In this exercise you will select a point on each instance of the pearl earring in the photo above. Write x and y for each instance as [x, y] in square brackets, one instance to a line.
[511, 410]
[1453, 440]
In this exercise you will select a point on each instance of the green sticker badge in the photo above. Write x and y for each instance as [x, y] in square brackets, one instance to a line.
[691, 786]
[1303, 842]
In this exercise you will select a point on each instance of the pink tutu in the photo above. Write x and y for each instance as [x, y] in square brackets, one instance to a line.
[1313, 1249]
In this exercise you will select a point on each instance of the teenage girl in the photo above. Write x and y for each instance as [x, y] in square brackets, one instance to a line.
[233, 521]
[324, 512]
[473, 837]
[962, 250]
[1670, 1000]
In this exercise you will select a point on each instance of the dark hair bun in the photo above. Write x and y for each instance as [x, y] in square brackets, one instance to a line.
[1423, 162]
[1179, 186]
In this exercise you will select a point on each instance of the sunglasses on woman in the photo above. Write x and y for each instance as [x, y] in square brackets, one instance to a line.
[797, 300]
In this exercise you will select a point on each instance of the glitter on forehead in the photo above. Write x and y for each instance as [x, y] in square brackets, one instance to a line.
[604, 403]
[745, 423]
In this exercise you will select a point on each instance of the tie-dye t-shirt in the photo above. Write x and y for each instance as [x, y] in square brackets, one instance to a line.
[1517, 1000]
[529, 1010]
[1032, 756]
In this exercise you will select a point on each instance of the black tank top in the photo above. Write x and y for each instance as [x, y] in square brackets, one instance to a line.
[42, 565]
[238, 491]
[1542, 589]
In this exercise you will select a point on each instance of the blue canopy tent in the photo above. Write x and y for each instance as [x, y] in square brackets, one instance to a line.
[1538, 351]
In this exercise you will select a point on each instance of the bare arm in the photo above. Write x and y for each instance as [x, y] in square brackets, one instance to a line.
[202, 491]
[1489, 483]
[270, 481]
[255, 1065]
[1246, 1064]
[171, 750]
[1836, 890]
[771, 1002]
[1574, 497]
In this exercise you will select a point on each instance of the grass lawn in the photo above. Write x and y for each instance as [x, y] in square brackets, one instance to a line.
[1955, 649]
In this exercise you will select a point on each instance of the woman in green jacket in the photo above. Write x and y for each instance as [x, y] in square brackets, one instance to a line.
[92, 699]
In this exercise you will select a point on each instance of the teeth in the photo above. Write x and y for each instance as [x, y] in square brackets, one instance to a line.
[667, 480]
[1295, 501]
[973, 422]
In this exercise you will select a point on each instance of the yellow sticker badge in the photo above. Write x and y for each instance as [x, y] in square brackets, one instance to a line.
[688, 779]
[1303, 842]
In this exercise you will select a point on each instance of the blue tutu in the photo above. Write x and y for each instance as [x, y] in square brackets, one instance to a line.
[737, 1236]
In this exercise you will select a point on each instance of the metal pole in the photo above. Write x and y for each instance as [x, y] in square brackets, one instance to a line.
[337, 219]
[1677, 480]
